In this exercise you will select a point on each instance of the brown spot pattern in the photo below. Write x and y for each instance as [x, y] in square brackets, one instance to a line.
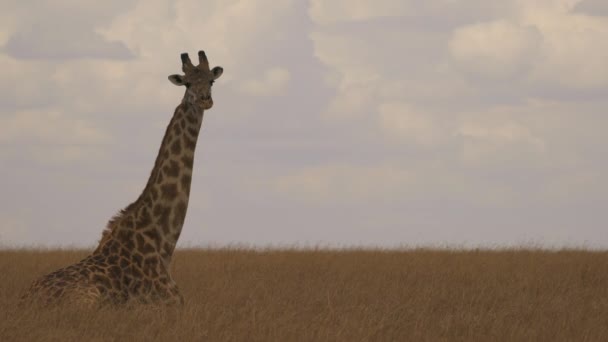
[187, 161]
[168, 191]
[171, 169]
[176, 147]
[185, 182]
[189, 143]
[193, 132]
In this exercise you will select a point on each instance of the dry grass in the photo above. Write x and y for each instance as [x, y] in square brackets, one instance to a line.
[418, 295]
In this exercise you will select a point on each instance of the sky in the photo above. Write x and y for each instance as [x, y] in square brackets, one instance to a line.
[385, 123]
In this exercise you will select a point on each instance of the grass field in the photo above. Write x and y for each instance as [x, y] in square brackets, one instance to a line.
[348, 295]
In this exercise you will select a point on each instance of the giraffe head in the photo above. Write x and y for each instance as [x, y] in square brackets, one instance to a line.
[198, 80]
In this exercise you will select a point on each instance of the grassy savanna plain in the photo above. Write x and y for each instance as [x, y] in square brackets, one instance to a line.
[237, 294]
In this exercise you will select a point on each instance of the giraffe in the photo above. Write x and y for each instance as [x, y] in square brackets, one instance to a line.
[131, 262]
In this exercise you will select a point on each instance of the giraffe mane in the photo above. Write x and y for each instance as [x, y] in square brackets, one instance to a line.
[113, 224]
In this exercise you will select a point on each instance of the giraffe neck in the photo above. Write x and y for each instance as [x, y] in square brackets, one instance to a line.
[153, 223]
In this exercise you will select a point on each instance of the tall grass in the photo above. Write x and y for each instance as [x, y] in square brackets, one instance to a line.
[346, 295]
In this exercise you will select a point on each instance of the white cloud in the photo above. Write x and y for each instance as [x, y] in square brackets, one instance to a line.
[48, 127]
[496, 49]
[370, 63]
[546, 44]
[404, 123]
[574, 51]
[437, 13]
[509, 132]
[333, 11]
[44, 34]
[401, 181]
[56, 93]
[273, 82]
[437, 109]
[344, 182]
[592, 7]
[559, 138]
[234, 33]
[338, 51]
[497, 140]
[15, 91]
[352, 72]
[62, 43]
[50, 135]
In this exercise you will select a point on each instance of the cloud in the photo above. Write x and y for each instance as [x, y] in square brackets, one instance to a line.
[499, 49]
[46, 33]
[403, 123]
[353, 74]
[63, 43]
[545, 46]
[412, 116]
[371, 63]
[82, 75]
[592, 7]
[343, 182]
[327, 12]
[49, 126]
[50, 135]
[237, 34]
[124, 51]
[504, 133]
[497, 141]
[15, 92]
[429, 14]
[545, 138]
[574, 55]
[394, 184]
[273, 82]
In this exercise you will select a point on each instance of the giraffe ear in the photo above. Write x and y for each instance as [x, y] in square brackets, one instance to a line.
[217, 72]
[177, 80]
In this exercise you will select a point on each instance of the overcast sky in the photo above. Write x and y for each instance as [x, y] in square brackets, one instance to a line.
[336, 122]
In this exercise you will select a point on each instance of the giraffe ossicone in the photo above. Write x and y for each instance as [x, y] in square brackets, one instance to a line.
[131, 262]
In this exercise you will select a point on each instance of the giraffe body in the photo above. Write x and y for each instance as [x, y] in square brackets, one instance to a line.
[131, 262]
